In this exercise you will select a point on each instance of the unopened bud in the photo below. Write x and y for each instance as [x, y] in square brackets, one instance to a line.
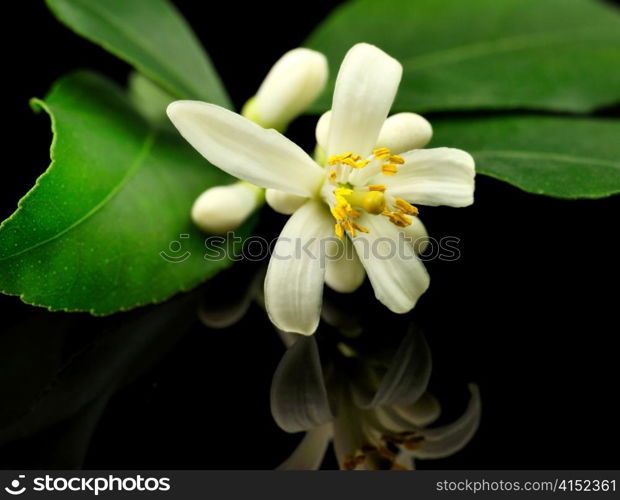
[403, 132]
[292, 84]
[224, 208]
[284, 203]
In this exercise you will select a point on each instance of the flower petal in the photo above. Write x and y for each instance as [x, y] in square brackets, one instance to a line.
[421, 413]
[298, 395]
[310, 451]
[440, 176]
[416, 234]
[365, 89]
[294, 281]
[395, 272]
[344, 272]
[407, 376]
[246, 150]
[446, 440]
[284, 203]
[321, 132]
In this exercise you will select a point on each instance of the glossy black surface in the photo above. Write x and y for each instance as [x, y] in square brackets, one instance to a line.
[529, 312]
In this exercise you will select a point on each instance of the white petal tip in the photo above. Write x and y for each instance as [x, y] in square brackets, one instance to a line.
[306, 330]
[177, 108]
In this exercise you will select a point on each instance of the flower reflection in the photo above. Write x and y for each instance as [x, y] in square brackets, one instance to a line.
[366, 394]
[372, 403]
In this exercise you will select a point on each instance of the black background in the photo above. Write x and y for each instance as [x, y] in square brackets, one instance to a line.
[529, 312]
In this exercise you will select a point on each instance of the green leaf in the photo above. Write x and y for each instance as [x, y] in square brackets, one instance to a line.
[486, 54]
[88, 236]
[565, 157]
[153, 37]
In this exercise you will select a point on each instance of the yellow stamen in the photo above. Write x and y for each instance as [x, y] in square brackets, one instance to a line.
[361, 229]
[349, 227]
[333, 159]
[381, 153]
[399, 219]
[406, 207]
[342, 191]
[389, 169]
[351, 212]
[339, 212]
[371, 199]
[350, 159]
[354, 161]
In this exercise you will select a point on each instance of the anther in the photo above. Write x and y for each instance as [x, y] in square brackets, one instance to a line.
[406, 207]
[389, 169]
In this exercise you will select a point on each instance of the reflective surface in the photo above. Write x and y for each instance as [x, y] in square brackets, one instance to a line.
[527, 314]
[205, 381]
[362, 390]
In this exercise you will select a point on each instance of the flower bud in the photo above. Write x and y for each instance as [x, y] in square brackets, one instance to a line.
[403, 132]
[291, 85]
[284, 203]
[224, 208]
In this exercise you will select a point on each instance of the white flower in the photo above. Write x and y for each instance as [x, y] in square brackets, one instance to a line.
[362, 438]
[377, 414]
[293, 83]
[362, 194]
[224, 208]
